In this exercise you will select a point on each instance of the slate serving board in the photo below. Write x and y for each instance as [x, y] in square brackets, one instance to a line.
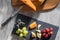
[29, 20]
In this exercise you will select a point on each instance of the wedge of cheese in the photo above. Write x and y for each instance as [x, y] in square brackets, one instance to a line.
[41, 1]
[33, 25]
[30, 4]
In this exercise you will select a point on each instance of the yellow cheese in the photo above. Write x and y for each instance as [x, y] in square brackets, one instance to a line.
[30, 4]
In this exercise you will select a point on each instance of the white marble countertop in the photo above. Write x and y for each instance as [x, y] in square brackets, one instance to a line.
[51, 17]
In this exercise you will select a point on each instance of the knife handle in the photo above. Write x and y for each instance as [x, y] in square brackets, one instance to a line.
[4, 23]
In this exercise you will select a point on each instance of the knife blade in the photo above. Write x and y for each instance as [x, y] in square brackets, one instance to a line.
[13, 15]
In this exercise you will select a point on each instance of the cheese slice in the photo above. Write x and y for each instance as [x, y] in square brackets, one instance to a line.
[30, 4]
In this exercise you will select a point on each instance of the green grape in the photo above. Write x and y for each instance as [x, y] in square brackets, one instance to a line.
[21, 35]
[17, 32]
[25, 33]
[24, 28]
[20, 30]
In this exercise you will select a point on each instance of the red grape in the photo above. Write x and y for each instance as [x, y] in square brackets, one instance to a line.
[43, 31]
[44, 34]
[51, 32]
[51, 29]
[47, 29]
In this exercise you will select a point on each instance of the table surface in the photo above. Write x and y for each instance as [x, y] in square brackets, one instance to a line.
[51, 17]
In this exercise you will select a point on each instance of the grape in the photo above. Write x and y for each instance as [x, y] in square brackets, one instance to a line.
[46, 36]
[21, 31]
[17, 32]
[43, 31]
[51, 29]
[24, 28]
[25, 33]
[47, 29]
[51, 32]
[21, 35]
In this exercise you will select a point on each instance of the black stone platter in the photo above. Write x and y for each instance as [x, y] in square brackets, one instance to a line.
[27, 20]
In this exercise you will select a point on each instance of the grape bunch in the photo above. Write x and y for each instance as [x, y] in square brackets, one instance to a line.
[47, 32]
[22, 32]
